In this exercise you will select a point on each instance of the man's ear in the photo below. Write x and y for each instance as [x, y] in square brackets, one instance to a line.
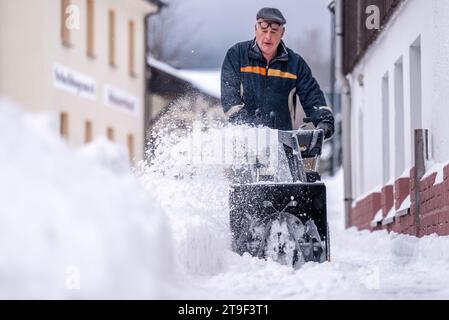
[283, 31]
[255, 27]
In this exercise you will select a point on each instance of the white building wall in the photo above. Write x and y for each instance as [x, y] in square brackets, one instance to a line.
[21, 45]
[428, 20]
[439, 100]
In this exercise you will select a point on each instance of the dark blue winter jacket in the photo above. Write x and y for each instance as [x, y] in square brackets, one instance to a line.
[268, 92]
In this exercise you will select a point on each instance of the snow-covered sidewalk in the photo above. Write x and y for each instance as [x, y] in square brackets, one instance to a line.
[364, 265]
[79, 224]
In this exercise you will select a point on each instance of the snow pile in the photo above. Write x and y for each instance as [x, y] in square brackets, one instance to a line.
[108, 155]
[75, 224]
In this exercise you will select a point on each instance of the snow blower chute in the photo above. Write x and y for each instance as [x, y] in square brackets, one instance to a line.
[283, 219]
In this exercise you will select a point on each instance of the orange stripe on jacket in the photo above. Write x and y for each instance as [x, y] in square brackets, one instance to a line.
[271, 72]
[257, 70]
[279, 73]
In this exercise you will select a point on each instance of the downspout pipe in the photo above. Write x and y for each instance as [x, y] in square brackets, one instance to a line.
[345, 92]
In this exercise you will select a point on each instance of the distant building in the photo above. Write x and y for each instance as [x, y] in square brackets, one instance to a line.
[84, 60]
[399, 81]
[195, 94]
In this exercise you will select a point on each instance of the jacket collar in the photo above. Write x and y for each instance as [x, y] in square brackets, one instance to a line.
[255, 53]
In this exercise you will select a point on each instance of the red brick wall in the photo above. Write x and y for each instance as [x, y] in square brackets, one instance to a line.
[387, 199]
[401, 191]
[434, 203]
[434, 206]
[363, 212]
[402, 224]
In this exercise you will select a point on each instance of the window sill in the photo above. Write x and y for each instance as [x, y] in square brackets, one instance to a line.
[402, 212]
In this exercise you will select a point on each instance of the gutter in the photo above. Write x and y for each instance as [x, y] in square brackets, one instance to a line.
[344, 89]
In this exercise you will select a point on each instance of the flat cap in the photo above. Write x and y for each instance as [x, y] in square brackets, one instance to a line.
[271, 14]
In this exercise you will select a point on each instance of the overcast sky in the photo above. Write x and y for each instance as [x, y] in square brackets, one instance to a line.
[203, 30]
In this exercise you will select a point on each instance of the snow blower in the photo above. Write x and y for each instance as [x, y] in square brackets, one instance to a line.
[278, 218]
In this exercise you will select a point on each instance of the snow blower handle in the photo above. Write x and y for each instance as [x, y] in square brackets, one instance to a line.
[302, 144]
[310, 143]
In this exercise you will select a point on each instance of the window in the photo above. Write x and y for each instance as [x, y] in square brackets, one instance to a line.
[386, 129]
[131, 48]
[110, 133]
[399, 143]
[112, 38]
[90, 28]
[415, 90]
[64, 124]
[131, 146]
[88, 132]
[65, 32]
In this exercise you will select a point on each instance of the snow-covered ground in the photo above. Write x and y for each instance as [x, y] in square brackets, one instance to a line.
[75, 219]
[80, 224]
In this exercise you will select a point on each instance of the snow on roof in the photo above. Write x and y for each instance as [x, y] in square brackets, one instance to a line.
[208, 81]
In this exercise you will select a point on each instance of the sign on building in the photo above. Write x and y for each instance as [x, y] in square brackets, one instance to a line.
[74, 82]
[117, 98]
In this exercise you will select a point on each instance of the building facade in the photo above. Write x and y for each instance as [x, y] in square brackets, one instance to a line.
[83, 60]
[399, 82]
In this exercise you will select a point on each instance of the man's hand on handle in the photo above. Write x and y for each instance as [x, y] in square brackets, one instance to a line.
[327, 128]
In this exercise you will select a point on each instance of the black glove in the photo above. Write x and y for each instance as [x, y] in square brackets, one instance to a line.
[327, 128]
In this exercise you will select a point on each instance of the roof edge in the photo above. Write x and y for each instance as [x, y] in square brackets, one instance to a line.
[160, 4]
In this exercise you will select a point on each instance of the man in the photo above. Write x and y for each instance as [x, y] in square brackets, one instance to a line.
[261, 78]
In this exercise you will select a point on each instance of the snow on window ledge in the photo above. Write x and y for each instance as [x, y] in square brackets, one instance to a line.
[377, 219]
[389, 219]
[435, 167]
[365, 195]
[405, 174]
[405, 208]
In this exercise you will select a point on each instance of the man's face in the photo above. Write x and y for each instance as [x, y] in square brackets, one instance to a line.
[268, 36]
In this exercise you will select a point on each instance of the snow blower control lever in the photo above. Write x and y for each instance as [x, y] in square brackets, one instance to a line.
[299, 145]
